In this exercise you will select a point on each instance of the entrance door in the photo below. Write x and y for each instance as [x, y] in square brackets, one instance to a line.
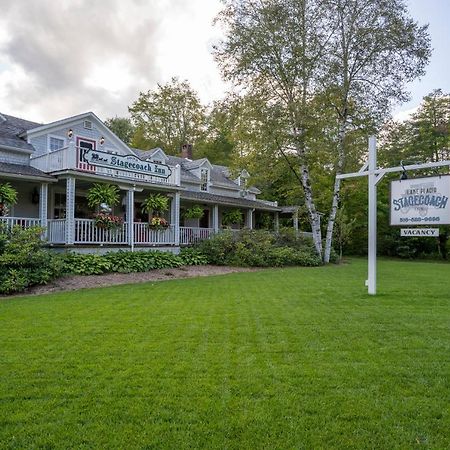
[84, 144]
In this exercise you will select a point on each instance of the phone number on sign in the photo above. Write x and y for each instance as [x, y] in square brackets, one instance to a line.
[419, 219]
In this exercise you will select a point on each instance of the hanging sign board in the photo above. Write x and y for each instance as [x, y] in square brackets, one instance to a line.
[421, 201]
[129, 163]
[419, 232]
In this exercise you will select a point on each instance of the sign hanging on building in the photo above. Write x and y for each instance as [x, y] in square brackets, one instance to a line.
[129, 163]
[421, 201]
[419, 232]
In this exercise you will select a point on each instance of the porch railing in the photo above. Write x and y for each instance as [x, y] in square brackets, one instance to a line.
[56, 231]
[145, 235]
[86, 232]
[24, 222]
[190, 235]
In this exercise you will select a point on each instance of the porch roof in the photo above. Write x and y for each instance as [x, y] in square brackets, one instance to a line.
[24, 171]
[228, 201]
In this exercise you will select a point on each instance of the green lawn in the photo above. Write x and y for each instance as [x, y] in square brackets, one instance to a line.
[297, 358]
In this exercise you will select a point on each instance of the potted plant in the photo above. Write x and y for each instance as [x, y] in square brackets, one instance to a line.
[154, 205]
[107, 221]
[158, 223]
[234, 216]
[8, 197]
[101, 197]
[194, 212]
[102, 194]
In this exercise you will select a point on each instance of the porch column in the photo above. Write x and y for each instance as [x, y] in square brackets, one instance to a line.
[70, 210]
[295, 221]
[249, 219]
[130, 218]
[43, 207]
[277, 222]
[175, 216]
[215, 218]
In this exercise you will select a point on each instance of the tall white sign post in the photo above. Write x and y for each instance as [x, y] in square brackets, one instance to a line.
[375, 175]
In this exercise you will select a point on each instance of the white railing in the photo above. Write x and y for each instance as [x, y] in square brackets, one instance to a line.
[86, 232]
[69, 158]
[52, 162]
[56, 231]
[191, 235]
[24, 222]
[145, 235]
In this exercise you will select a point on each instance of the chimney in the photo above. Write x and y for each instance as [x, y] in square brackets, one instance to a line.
[186, 151]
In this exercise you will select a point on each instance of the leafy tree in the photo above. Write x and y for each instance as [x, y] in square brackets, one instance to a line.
[122, 127]
[168, 117]
[353, 57]
[219, 140]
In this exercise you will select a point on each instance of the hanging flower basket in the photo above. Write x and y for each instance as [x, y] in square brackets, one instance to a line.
[107, 221]
[158, 223]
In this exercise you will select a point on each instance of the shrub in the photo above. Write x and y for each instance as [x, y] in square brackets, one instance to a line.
[126, 262]
[23, 260]
[259, 249]
[192, 257]
[88, 264]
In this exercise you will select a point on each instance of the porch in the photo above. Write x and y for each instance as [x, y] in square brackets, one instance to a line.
[87, 233]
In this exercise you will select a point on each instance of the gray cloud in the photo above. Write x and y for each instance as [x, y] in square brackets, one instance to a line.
[60, 44]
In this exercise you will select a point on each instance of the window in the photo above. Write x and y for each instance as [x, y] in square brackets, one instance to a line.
[204, 179]
[55, 143]
[87, 124]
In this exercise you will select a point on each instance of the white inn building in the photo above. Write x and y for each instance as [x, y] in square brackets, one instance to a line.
[52, 167]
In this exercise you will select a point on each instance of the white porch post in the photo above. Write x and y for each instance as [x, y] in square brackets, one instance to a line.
[249, 219]
[43, 207]
[277, 222]
[215, 218]
[70, 210]
[175, 216]
[130, 217]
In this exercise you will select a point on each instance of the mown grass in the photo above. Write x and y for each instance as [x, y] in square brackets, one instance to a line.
[290, 358]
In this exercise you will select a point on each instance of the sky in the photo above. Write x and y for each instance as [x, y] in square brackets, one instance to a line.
[63, 57]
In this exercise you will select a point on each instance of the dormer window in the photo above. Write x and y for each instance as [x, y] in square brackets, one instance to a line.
[204, 175]
[55, 143]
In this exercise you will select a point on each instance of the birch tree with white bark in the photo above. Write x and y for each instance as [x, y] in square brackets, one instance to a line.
[358, 54]
[375, 51]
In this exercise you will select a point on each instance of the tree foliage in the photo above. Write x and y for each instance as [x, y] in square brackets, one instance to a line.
[302, 59]
[168, 117]
[122, 127]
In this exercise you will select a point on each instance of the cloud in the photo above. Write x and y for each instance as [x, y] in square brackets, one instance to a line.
[59, 58]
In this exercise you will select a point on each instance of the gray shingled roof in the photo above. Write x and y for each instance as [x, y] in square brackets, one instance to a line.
[230, 201]
[11, 128]
[20, 169]
[219, 174]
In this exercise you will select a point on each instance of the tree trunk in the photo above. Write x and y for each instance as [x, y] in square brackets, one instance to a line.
[314, 217]
[336, 192]
[332, 220]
